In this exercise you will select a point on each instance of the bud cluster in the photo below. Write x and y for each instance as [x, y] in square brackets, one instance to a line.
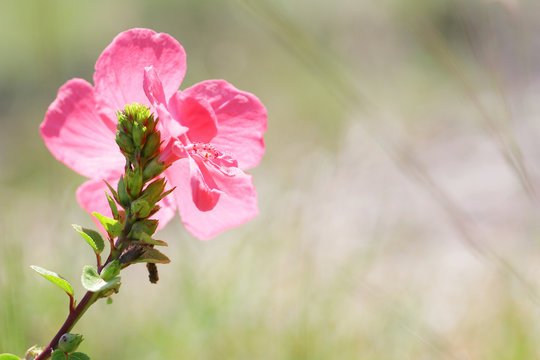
[140, 188]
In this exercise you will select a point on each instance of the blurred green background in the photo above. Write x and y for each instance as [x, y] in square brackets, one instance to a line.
[398, 195]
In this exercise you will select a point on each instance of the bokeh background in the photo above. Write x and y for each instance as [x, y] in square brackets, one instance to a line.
[398, 196]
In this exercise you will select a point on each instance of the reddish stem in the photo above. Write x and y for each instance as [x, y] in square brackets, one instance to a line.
[71, 320]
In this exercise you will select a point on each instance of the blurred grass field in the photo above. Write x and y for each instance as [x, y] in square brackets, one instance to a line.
[398, 195]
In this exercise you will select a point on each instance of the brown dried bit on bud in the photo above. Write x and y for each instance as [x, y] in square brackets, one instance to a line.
[153, 275]
[132, 253]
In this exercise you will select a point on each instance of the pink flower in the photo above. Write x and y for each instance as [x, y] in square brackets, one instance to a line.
[211, 131]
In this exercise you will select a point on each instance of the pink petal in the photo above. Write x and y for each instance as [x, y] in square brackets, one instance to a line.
[153, 89]
[120, 68]
[196, 114]
[203, 187]
[241, 120]
[236, 205]
[77, 136]
[91, 197]
[167, 211]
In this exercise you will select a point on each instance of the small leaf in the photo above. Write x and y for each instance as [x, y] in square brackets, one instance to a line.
[58, 355]
[148, 239]
[9, 357]
[92, 237]
[55, 279]
[112, 205]
[111, 270]
[93, 282]
[152, 255]
[113, 227]
[78, 356]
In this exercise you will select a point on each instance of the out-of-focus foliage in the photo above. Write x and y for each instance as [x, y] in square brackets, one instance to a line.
[398, 196]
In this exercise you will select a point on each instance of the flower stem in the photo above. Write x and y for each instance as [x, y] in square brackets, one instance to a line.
[89, 298]
[71, 320]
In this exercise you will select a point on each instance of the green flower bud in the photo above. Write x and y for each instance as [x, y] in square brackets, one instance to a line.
[153, 169]
[124, 142]
[137, 113]
[111, 270]
[151, 145]
[122, 193]
[141, 208]
[134, 182]
[146, 226]
[153, 191]
[137, 134]
[69, 342]
[150, 124]
[124, 123]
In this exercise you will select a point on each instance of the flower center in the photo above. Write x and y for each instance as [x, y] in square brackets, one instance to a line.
[206, 151]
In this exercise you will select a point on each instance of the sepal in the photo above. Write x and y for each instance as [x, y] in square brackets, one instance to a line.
[112, 205]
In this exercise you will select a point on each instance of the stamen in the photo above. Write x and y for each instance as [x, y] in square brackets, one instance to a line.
[206, 151]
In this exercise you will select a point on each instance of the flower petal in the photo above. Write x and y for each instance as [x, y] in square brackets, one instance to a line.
[236, 205]
[241, 120]
[120, 68]
[153, 88]
[203, 187]
[91, 197]
[77, 136]
[196, 114]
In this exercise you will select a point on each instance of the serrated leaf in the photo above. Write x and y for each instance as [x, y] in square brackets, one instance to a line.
[152, 255]
[78, 356]
[55, 279]
[93, 282]
[58, 355]
[112, 226]
[9, 357]
[92, 237]
[112, 205]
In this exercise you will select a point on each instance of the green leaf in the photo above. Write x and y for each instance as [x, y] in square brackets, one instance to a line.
[112, 205]
[92, 237]
[9, 357]
[115, 194]
[111, 270]
[113, 227]
[55, 279]
[93, 282]
[147, 239]
[152, 255]
[78, 356]
[58, 355]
